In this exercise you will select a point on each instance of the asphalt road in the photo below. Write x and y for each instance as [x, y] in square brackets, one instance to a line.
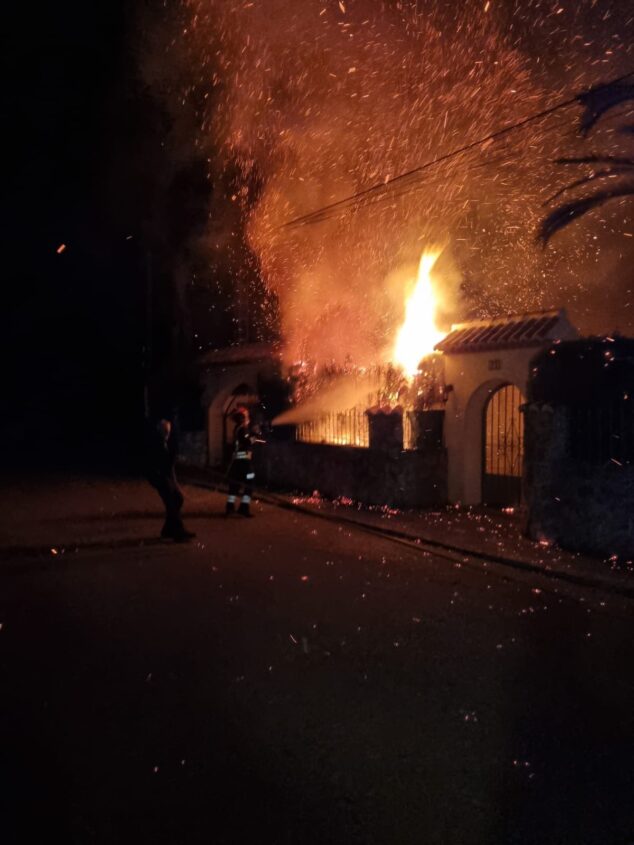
[290, 680]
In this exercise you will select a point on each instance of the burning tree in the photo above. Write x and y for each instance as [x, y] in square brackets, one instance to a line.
[364, 406]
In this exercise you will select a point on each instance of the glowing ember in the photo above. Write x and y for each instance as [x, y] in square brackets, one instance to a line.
[418, 334]
[296, 105]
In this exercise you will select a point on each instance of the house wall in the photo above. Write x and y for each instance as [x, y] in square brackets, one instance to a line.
[474, 376]
[400, 479]
[578, 505]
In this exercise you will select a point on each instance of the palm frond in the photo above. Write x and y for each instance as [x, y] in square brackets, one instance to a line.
[597, 101]
[566, 214]
[598, 175]
[594, 159]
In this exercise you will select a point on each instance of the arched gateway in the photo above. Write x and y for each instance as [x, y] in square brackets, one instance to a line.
[487, 367]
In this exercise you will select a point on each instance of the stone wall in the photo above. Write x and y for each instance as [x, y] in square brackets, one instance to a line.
[399, 479]
[578, 505]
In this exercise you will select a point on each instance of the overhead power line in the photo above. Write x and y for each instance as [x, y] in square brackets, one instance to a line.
[413, 185]
[401, 186]
[382, 190]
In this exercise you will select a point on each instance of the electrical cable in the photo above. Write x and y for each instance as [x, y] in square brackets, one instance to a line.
[385, 187]
[415, 183]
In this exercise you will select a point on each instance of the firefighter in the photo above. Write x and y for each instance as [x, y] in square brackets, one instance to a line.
[241, 475]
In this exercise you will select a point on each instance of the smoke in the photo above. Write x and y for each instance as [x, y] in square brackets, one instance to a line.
[306, 102]
[342, 393]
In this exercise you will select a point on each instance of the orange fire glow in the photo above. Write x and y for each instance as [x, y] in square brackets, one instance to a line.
[418, 335]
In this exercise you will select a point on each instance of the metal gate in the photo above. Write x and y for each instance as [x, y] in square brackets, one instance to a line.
[503, 447]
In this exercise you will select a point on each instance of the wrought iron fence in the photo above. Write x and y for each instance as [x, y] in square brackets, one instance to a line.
[348, 428]
[339, 428]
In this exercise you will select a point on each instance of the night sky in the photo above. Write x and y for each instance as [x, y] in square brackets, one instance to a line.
[84, 172]
[73, 329]
[96, 163]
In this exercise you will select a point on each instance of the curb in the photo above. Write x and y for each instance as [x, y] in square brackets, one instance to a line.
[426, 544]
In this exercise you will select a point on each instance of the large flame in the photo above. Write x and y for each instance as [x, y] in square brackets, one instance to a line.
[418, 335]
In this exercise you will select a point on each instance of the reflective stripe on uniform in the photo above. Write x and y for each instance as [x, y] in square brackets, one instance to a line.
[231, 499]
[242, 455]
[250, 475]
[246, 500]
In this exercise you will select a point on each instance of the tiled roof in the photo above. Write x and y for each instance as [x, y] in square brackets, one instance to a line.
[516, 330]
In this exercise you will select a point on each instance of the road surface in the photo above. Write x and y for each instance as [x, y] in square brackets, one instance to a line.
[290, 680]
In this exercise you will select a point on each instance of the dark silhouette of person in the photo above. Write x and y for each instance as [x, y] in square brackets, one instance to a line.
[161, 473]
